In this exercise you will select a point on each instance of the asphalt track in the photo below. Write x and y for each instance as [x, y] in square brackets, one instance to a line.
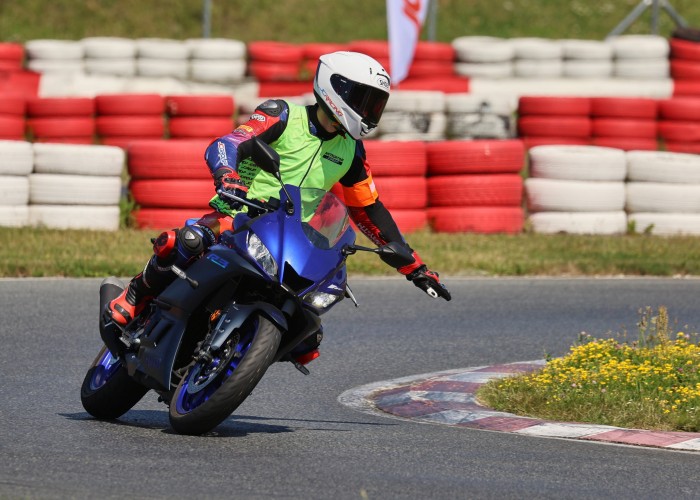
[293, 439]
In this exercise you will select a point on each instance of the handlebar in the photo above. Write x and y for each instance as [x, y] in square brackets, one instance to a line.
[258, 205]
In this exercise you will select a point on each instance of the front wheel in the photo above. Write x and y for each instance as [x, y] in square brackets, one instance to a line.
[211, 391]
[107, 391]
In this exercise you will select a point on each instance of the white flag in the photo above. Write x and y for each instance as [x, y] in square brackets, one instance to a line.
[405, 19]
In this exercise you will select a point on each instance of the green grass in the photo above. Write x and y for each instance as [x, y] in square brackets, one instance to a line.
[651, 383]
[302, 21]
[43, 252]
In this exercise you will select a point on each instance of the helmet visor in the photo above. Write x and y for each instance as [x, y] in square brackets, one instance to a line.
[365, 100]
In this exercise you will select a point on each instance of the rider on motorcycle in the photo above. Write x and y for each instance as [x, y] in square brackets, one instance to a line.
[319, 145]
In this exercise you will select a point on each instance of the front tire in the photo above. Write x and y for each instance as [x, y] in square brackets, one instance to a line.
[107, 391]
[210, 392]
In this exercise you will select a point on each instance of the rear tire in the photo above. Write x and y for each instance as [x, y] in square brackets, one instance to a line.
[107, 391]
[208, 394]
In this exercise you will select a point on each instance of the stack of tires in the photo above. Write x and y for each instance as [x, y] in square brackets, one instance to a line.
[624, 123]
[123, 118]
[62, 57]
[162, 58]
[16, 164]
[544, 120]
[474, 116]
[170, 181]
[217, 60]
[576, 189]
[399, 173]
[413, 116]
[61, 119]
[199, 116]
[432, 61]
[537, 58]
[475, 186]
[113, 56]
[483, 57]
[640, 57]
[685, 61]
[679, 124]
[663, 192]
[586, 59]
[11, 56]
[12, 120]
[76, 186]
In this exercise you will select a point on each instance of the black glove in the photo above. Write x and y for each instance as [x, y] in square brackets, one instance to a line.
[429, 282]
[228, 181]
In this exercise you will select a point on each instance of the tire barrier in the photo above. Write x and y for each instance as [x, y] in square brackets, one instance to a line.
[123, 118]
[61, 120]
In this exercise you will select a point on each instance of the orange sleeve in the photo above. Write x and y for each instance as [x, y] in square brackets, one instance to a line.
[361, 194]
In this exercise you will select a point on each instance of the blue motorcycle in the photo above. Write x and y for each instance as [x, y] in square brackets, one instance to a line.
[251, 300]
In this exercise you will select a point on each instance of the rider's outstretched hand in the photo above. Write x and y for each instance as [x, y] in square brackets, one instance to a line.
[228, 180]
[429, 282]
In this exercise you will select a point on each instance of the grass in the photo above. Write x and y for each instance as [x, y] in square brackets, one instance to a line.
[298, 20]
[46, 252]
[651, 383]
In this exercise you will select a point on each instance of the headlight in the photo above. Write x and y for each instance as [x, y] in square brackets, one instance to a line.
[321, 300]
[262, 255]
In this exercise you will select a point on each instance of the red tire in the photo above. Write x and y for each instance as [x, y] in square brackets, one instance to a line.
[12, 52]
[680, 108]
[275, 71]
[548, 126]
[431, 69]
[678, 131]
[275, 52]
[141, 126]
[164, 218]
[172, 193]
[87, 140]
[160, 159]
[60, 106]
[409, 220]
[284, 89]
[683, 147]
[15, 106]
[12, 127]
[200, 105]
[554, 106]
[446, 84]
[684, 49]
[624, 107]
[627, 143]
[62, 127]
[434, 51]
[200, 126]
[686, 88]
[685, 70]
[470, 157]
[475, 190]
[531, 142]
[626, 128]
[402, 192]
[312, 51]
[397, 158]
[378, 49]
[130, 104]
[487, 220]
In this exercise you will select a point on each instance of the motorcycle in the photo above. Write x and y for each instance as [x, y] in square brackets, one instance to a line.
[206, 341]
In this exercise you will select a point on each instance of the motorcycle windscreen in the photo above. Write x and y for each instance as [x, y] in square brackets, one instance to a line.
[324, 217]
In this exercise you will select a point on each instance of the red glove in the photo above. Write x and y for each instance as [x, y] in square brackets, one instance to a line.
[425, 279]
[228, 180]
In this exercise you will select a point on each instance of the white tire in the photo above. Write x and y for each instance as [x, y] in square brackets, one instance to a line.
[78, 159]
[162, 48]
[216, 48]
[554, 195]
[62, 189]
[535, 68]
[664, 198]
[495, 70]
[218, 71]
[413, 123]
[660, 166]
[112, 67]
[478, 103]
[14, 216]
[175, 68]
[14, 190]
[54, 49]
[56, 66]
[593, 68]
[656, 69]
[96, 218]
[536, 48]
[416, 101]
[479, 126]
[483, 49]
[105, 47]
[579, 222]
[640, 47]
[668, 224]
[586, 49]
[16, 158]
[583, 163]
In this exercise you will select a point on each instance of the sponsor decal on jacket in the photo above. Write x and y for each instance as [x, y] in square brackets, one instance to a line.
[221, 149]
[333, 158]
[258, 117]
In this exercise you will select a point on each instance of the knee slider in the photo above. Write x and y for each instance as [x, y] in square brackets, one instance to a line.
[165, 243]
[190, 241]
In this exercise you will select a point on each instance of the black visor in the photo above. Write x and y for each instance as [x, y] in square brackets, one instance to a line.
[366, 101]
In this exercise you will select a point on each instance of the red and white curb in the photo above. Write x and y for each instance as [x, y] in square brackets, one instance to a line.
[448, 398]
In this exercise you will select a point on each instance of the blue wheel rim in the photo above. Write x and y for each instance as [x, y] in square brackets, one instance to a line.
[203, 380]
[104, 370]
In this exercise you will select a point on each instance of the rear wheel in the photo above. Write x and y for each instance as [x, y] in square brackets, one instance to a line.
[211, 391]
[107, 391]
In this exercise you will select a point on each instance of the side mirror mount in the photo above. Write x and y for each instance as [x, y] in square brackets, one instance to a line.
[265, 157]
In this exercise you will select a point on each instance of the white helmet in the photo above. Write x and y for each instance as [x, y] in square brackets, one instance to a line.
[352, 88]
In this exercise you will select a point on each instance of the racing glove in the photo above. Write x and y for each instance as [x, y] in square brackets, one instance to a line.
[425, 279]
[228, 180]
